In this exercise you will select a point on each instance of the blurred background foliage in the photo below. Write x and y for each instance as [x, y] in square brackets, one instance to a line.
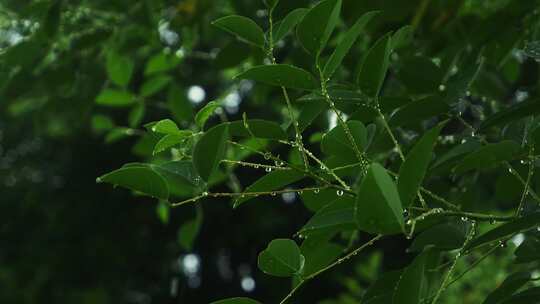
[65, 239]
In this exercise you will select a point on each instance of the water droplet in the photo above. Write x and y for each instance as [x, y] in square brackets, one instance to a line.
[268, 169]
[442, 87]
[492, 221]
[339, 193]
[205, 193]
[409, 222]
[300, 191]
[316, 191]
[502, 244]
[408, 236]
[468, 93]
[267, 155]
[256, 166]
[538, 228]
[405, 213]
[323, 167]
[273, 194]
[510, 170]
[522, 162]
[278, 163]
[464, 218]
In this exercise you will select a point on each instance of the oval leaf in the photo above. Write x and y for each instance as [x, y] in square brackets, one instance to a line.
[138, 178]
[287, 24]
[281, 75]
[243, 27]
[282, 258]
[374, 66]
[413, 169]
[315, 28]
[209, 150]
[378, 207]
[115, 98]
[205, 113]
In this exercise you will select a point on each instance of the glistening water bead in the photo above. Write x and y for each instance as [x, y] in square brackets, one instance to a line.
[339, 193]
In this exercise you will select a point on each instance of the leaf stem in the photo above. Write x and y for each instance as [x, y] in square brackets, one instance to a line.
[334, 264]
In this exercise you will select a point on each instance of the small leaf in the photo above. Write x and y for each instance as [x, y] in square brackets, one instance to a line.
[374, 66]
[413, 169]
[259, 128]
[205, 113]
[346, 43]
[180, 176]
[115, 98]
[166, 126]
[154, 85]
[282, 258]
[419, 110]
[236, 301]
[512, 113]
[119, 68]
[138, 178]
[209, 150]
[272, 181]
[527, 296]
[336, 142]
[243, 27]
[529, 250]
[281, 75]
[162, 211]
[318, 255]
[420, 75]
[411, 283]
[488, 156]
[161, 62]
[378, 207]
[317, 25]
[338, 214]
[136, 115]
[506, 230]
[188, 231]
[402, 37]
[446, 236]
[169, 141]
[382, 290]
[511, 284]
[288, 23]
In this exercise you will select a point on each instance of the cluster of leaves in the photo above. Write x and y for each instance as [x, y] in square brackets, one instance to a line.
[374, 166]
[433, 141]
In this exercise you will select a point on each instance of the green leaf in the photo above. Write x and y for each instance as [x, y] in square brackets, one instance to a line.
[338, 214]
[162, 211]
[244, 28]
[209, 150]
[136, 115]
[317, 25]
[314, 201]
[169, 141]
[511, 284]
[180, 176]
[236, 301]
[119, 68]
[259, 128]
[271, 4]
[272, 181]
[374, 66]
[282, 258]
[188, 231]
[288, 23]
[281, 75]
[529, 250]
[161, 62]
[346, 43]
[205, 113]
[115, 98]
[402, 37]
[378, 207]
[166, 126]
[318, 255]
[512, 113]
[418, 111]
[488, 156]
[382, 290]
[420, 75]
[411, 283]
[101, 123]
[154, 85]
[528, 296]
[413, 169]
[336, 142]
[138, 178]
[179, 105]
[445, 236]
[506, 230]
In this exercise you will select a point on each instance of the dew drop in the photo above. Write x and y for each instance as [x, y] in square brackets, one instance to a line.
[205, 193]
[464, 218]
[323, 167]
[273, 194]
[339, 193]
[268, 169]
[538, 228]
[522, 162]
[492, 221]
[409, 222]
[256, 166]
[316, 191]
[267, 155]
[442, 87]
[502, 244]
[408, 236]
